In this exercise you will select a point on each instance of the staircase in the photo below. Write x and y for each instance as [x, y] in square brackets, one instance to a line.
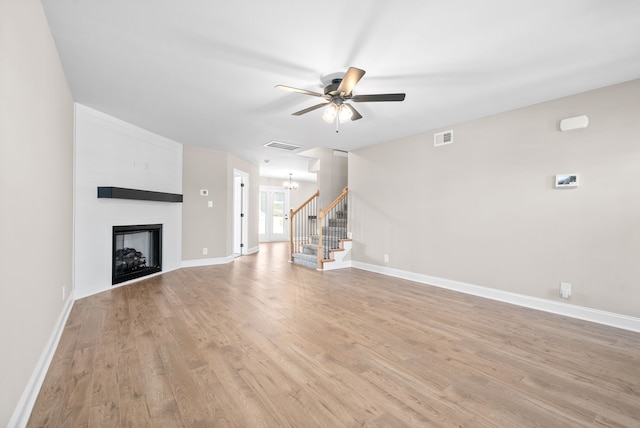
[330, 239]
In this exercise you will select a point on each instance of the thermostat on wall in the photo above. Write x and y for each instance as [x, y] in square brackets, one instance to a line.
[204, 192]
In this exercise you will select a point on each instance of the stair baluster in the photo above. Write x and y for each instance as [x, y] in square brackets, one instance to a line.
[332, 227]
[302, 224]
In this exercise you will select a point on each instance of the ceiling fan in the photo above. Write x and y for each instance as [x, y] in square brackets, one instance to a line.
[337, 94]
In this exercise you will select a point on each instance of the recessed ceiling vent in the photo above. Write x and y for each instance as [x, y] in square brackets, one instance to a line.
[442, 138]
[280, 145]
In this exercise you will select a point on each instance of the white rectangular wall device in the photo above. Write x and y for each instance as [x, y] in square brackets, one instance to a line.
[571, 123]
[442, 138]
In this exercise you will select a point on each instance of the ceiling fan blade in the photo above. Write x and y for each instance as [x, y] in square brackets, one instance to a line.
[300, 91]
[308, 109]
[355, 114]
[377, 97]
[349, 81]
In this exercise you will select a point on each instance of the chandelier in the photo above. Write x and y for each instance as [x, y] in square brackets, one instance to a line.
[290, 184]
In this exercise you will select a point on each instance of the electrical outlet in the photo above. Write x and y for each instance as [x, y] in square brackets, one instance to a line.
[205, 251]
[386, 258]
[565, 290]
[210, 204]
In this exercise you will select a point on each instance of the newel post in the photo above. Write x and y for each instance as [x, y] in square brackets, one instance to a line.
[291, 249]
[321, 214]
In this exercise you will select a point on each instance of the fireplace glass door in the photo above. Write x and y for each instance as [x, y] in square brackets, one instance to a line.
[136, 251]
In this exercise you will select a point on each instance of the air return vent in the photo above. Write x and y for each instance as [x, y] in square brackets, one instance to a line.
[280, 145]
[442, 138]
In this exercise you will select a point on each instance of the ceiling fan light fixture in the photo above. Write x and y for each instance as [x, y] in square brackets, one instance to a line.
[344, 113]
[330, 113]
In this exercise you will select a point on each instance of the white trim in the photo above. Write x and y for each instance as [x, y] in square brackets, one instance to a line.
[122, 284]
[336, 265]
[341, 259]
[240, 222]
[252, 250]
[25, 405]
[207, 262]
[580, 312]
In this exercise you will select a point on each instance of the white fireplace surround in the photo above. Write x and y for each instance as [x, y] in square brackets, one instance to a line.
[110, 152]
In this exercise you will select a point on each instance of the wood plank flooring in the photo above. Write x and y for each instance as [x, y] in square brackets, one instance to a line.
[263, 343]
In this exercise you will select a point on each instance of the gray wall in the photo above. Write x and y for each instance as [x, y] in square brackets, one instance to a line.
[204, 227]
[212, 228]
[36, 169]
[484, 209]
[331, 173]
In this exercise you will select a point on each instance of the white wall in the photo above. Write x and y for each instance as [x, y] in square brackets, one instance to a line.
[297, 197]
[484, 210]
[110, 152]
[36, 194]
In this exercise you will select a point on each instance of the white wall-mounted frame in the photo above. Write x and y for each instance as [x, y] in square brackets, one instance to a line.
[567, 180]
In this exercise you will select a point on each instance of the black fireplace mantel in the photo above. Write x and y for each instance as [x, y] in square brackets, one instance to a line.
[139, 195]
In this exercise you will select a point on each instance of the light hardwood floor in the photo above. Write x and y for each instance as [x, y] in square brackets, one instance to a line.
[264, 343]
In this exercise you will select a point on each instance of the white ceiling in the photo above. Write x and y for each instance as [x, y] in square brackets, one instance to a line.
[203, 72]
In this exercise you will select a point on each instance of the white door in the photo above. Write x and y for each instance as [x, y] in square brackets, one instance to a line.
[274, 214]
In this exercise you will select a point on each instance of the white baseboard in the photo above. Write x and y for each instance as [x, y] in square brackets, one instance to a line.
[336, 265]
[122, 284]
[252, 250]
[580, 312]
[207, 262]
[24, 407]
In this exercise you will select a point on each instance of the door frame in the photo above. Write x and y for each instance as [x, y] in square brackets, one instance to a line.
[268, 237]
[240, 210]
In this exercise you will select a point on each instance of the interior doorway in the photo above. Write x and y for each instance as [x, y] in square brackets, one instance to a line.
[240, 208]
[274, 214]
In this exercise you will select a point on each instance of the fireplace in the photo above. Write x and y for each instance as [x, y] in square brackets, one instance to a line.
[137, 252]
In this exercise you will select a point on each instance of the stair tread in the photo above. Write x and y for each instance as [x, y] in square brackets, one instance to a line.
[334, 232]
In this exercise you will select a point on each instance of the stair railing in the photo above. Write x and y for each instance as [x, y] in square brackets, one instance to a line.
[330, 230]
[303, 222]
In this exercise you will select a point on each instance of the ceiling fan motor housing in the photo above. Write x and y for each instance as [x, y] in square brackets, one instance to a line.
[333, 87]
